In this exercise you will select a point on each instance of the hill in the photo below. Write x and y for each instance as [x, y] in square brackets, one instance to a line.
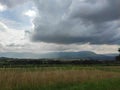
[61, 55]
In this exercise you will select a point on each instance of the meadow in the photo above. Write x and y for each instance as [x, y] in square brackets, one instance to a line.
[61, 78]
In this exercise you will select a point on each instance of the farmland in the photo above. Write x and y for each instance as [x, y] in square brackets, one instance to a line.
[69, 77]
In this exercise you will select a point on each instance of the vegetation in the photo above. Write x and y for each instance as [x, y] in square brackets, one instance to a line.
[61, 78]
[11, 62]
[58, 74]
[118, 57]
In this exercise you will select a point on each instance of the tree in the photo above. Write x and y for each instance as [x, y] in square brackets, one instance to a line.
[118, 57]
[119, 51]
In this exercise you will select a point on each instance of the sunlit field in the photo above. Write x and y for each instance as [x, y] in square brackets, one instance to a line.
[61, 78]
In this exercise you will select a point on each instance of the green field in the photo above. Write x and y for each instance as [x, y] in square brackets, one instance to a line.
[61, 78]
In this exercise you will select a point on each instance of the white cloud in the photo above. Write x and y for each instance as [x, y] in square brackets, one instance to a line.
[8, 35]
[2, 7]
[3, 27]
[30, 13]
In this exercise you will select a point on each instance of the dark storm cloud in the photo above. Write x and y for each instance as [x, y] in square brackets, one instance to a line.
[98, 11]
[76, 21]
[101, 36]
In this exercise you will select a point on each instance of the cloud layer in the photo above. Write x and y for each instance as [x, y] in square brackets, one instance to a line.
[77, 21]
[12, 3]
[60, 26]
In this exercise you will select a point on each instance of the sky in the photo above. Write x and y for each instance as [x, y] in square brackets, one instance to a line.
[40, 26]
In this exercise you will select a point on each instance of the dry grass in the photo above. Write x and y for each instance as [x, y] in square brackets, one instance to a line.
[13, 78]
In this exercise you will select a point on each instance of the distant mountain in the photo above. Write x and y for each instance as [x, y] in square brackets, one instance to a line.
[61, 55]
[76, 55]
[80, 55]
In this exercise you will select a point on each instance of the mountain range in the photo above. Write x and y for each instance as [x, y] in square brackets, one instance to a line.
[61, 55]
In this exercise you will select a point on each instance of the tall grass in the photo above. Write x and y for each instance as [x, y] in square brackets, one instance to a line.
[18, 78]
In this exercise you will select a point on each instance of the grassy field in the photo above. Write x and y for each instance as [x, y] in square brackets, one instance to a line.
[61, 78]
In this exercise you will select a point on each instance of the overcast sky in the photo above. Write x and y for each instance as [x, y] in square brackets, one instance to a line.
[39, 26]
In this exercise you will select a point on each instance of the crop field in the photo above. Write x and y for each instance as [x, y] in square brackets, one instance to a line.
[61, 78]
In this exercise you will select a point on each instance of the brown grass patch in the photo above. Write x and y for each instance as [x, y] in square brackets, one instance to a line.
[12, 78]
